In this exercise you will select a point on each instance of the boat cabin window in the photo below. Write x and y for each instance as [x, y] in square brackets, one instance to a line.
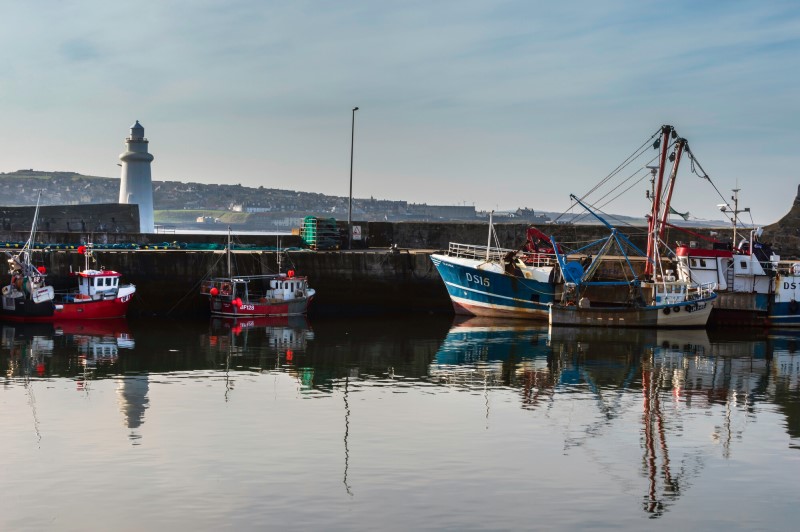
[702, 264]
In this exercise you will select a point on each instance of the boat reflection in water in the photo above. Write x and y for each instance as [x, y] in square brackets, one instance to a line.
[71, 348]
[281, 334]
[606, 426]
[263, 343]
[83, 350]
[285, 332]
[686, 387]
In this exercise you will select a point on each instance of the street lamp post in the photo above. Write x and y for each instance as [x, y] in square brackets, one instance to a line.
[350, 203]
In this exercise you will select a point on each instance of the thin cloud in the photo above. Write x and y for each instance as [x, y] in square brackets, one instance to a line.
[503, 103]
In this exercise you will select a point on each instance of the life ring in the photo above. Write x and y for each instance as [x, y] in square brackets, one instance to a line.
[225, 289]
[666, 310]
[793, 306]
[6, 290]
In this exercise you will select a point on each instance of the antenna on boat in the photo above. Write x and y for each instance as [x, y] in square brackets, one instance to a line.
[735, 211]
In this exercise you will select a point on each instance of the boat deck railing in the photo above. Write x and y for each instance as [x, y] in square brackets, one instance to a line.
[260, 277]
[705, 290]
[470, 251]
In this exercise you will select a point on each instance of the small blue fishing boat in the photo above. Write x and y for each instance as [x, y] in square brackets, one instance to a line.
[491, 281]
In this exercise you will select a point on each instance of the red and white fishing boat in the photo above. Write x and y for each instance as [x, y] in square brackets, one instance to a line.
[258, 295]
[281, 294]
[28, 297]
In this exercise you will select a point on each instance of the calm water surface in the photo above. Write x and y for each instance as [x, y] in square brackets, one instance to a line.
[396, 424]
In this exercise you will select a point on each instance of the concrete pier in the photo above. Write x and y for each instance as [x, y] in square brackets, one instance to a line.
[377, 279]
[167, 281]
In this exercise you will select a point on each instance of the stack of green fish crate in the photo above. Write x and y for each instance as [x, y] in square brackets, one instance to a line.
[320, 233]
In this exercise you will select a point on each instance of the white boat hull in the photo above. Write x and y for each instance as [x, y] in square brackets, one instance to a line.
[681, 315]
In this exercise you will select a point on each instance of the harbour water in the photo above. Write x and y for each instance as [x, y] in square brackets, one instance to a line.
[396, 423]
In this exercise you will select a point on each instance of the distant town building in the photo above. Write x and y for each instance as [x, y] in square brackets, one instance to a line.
[442, 212]
[521, 215]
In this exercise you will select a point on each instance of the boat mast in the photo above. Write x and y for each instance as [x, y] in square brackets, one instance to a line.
[29, 244]
[278, 252]
[652, 224]
[228, 251]
[25, 265]
[489, 239]
[679, 144]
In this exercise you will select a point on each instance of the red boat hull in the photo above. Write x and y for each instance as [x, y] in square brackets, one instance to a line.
[89, 310]
[293, 307]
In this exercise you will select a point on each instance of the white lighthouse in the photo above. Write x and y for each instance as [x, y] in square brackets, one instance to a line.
[136, 185]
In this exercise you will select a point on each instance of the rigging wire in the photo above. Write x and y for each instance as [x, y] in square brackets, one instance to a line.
[585, 215]
[635, 155]
[695, 165]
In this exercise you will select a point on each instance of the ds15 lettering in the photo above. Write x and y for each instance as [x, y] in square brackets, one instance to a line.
[477, 279]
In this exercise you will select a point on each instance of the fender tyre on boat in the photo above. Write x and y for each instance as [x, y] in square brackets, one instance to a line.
[666, 311]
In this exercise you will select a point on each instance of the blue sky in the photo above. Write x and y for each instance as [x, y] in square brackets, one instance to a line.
[500, 104]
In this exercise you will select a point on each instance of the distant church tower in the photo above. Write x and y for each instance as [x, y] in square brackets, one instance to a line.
[136, 185]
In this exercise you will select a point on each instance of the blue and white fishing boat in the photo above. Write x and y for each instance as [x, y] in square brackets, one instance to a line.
[784, 309]
[491, 281]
